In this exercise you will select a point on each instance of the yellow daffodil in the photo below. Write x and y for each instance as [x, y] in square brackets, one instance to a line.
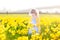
[2, 29]
[23, 38]
[2, 37]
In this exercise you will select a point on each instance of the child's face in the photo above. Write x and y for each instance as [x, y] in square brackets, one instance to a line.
[33, 12]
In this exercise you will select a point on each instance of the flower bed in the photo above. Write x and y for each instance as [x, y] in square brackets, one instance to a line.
[16, 28]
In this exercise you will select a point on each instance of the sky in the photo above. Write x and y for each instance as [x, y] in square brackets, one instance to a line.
[13, 5]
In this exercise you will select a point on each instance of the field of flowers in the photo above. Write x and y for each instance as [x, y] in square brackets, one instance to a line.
[15, 27]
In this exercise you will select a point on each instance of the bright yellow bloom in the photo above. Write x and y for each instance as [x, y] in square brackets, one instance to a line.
[19, 31]
[2, 37]
[23, 38]
[35, 37]
[46, 30]
[58, 33]
[12, 32]
[53, 35]
[2, 29]
[24, 31]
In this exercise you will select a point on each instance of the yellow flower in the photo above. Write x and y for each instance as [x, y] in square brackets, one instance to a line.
[44, 39]
[54, 29]
[23, 38]
[59, 25]
[2, 29]
[40, 37]
[19, 38]
[24, 31]
[19, 31]
[58, 39]
[22, 24]
[53, 35]
[35, 37]
[2, 36]
[47, 39]
[58, 33]
[30, 25]
[19, 19]
[47, 30]
[12, 23]
[7, 27]
[12, 31]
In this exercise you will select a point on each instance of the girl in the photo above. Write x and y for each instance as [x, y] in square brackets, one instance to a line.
[34, 13]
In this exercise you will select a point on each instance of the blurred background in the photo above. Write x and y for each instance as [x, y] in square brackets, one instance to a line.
[50, 6]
